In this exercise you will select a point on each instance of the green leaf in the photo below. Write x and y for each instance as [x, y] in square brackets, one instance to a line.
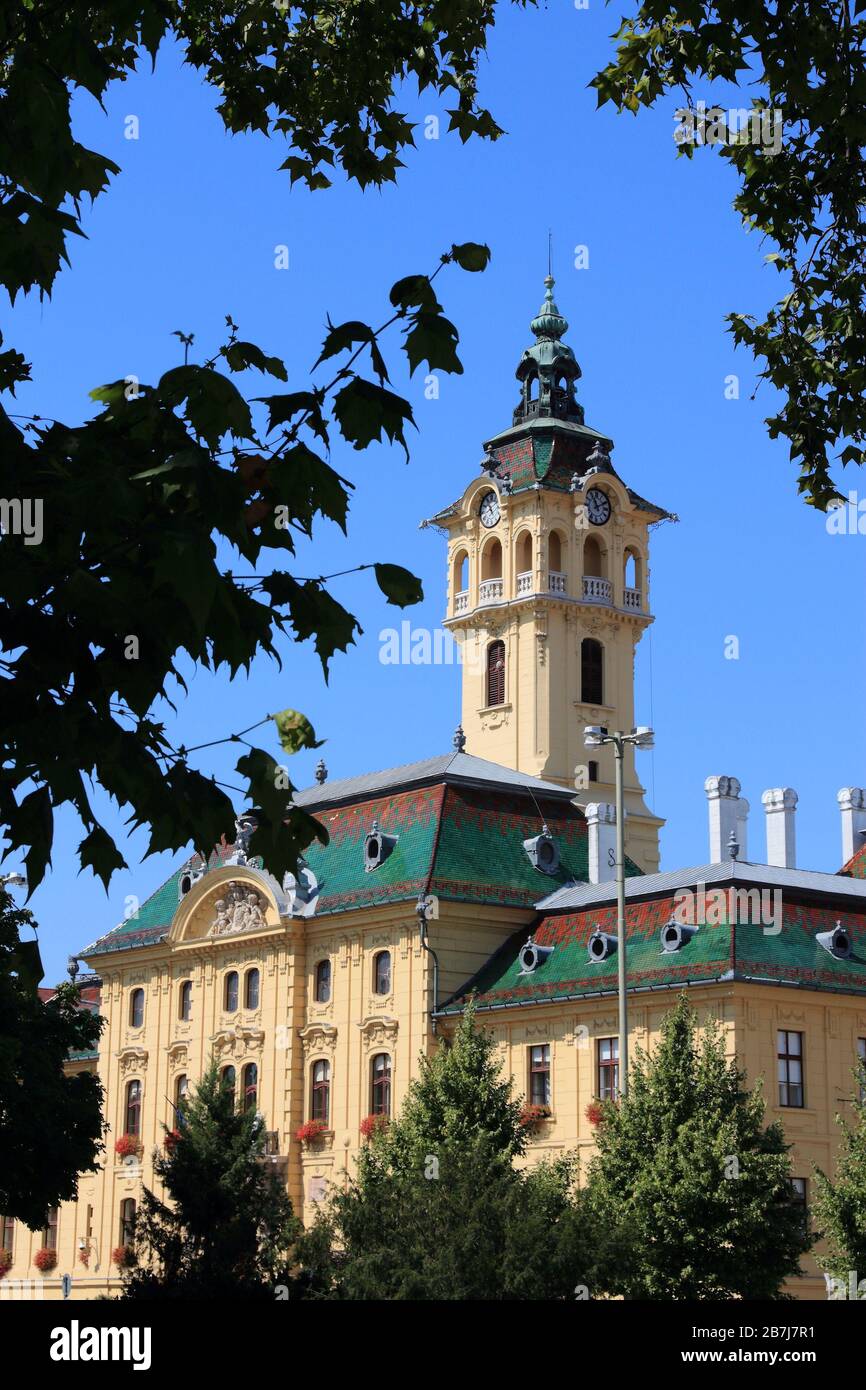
[295, 731]
[399, 585]
[98, 852]
[432, 339]
[240, 356]
[365, 411]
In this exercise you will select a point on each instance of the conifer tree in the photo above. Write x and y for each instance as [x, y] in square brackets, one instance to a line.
[840, 1202]
[438, 1209]
[689, 1181]
[226, 1227]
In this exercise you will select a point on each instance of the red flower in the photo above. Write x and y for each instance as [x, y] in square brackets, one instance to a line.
[5, 1261]
[84, 1257]
[171, 1140]
[312, 1130]
[127, 1144]
[595, 1112]
[123, 1256]
[373, 1124]
[45, 1260]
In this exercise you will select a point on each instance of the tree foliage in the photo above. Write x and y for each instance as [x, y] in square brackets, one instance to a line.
[840, 1202]
[805, 59]
[50, 1122]
[438, 1209]
[227, 1228]
[688, 1180]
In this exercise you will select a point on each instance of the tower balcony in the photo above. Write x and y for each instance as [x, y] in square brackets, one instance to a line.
[461, 602]
[555, 582]
[632, 599]
[597, 590]
[489, 591]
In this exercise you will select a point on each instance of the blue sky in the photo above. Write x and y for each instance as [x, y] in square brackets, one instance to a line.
[187, 234]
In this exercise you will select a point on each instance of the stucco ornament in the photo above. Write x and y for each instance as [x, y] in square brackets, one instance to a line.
[241, 909]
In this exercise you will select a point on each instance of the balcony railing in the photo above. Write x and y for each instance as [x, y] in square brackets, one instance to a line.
[489, 590]
[556, 582]
[461, 601]
[524, 583]
[596, 590]
[631, 598]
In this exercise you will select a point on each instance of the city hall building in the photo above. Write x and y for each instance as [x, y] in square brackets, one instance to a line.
[488, 869]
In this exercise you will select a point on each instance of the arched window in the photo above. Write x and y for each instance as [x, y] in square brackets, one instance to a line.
[532, 388]
[229, 1082]
[127, 1221]
[250, 1086]
[593, 559]
[382, 972]
[320, 1094]
[132, 1115]
[231, 992]
[461, 572]
[185, 1002]
[180, 1090]
[591, 672]
[524, 553]
[251, 989]
[136, 1008]
[491, 561]
[380, 1084]
[554, 551]
[323, 982]
[496, 673]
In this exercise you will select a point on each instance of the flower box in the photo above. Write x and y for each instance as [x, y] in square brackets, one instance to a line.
[5, 1262]
[171, 1140]
[45, 1260]
[373, 1124]
[84, 1257]
[127, 1146]
[123, 1256]
[531, 1116]
[311, 1131]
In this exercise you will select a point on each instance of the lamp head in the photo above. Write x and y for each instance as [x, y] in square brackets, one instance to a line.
[643, 737]
[593, 736]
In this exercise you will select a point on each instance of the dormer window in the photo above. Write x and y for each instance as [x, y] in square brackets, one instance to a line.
[543, 852]
[377, 847]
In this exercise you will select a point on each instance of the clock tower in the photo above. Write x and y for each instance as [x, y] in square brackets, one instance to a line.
[548, 590]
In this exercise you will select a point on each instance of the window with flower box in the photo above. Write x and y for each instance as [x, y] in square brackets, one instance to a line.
[320, 1095]
[132, 1109]
[7, 1234]
[539, 1075]
[607, 1056]
[380, 1084]
[49, 1232]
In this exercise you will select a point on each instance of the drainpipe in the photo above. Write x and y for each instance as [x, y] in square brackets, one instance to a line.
[421, 910]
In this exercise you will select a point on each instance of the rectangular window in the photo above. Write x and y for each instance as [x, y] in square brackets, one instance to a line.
[7, 1234]
[49, 1234]
[539, 1075]
[790, 1057]
[861, 1062]
[799, 1199]
[608, 1068]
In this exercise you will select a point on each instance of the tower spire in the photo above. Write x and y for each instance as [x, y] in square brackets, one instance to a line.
[548, 370]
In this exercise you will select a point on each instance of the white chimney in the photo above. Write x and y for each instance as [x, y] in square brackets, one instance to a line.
[852, 804]
[780, 805]
[601, 826]
[728, 813]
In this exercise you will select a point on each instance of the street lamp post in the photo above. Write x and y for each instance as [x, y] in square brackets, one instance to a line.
[595, 737]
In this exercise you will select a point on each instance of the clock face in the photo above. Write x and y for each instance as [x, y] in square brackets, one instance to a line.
[489, 509]
[597, 506]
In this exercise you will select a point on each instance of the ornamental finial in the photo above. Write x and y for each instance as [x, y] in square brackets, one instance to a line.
[459, 739]
[321, 771]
